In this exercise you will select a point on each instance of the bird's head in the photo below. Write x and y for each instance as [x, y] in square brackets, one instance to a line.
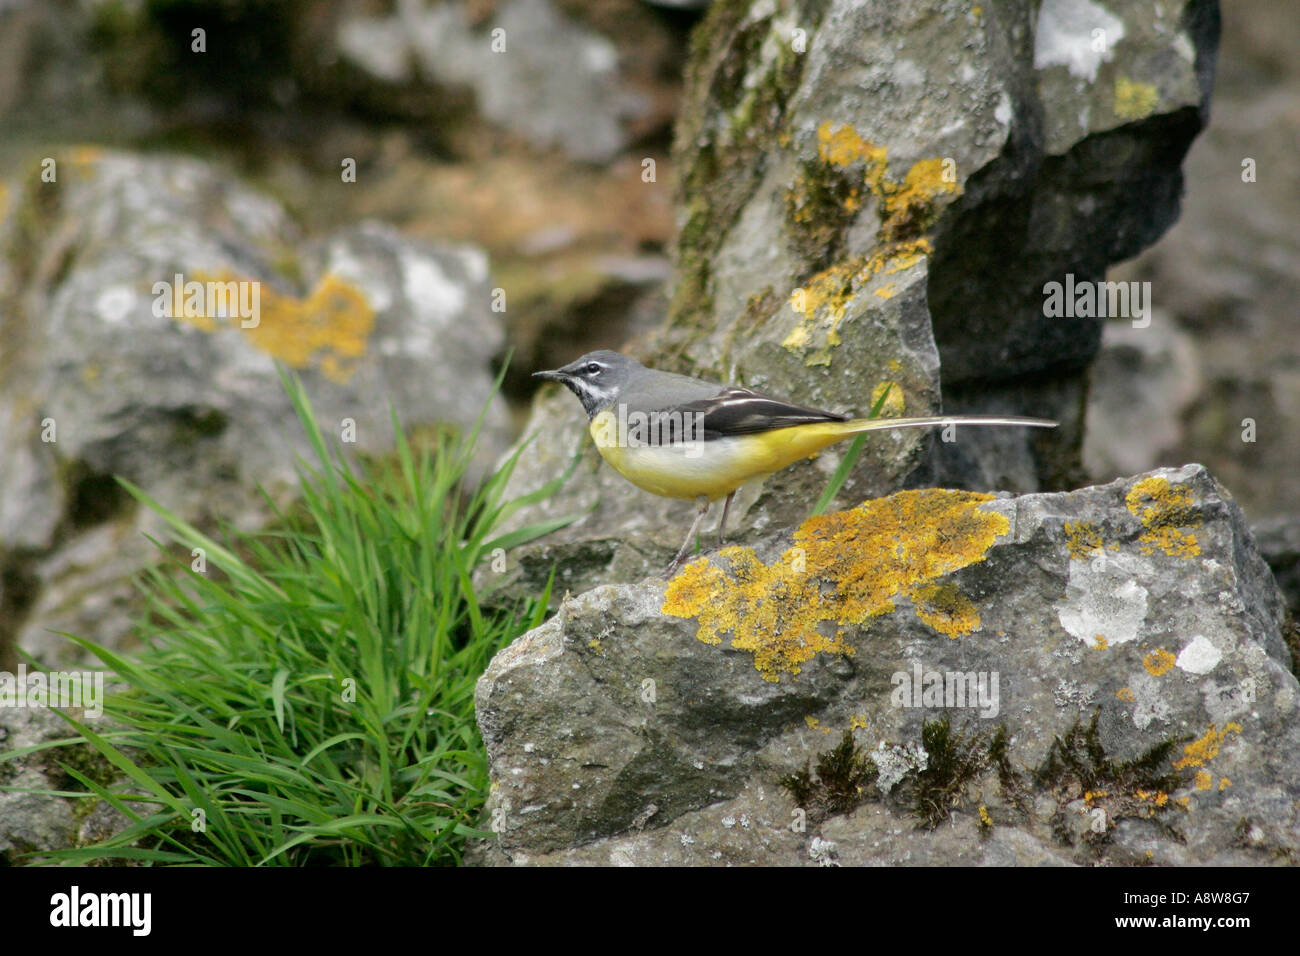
[598, 378]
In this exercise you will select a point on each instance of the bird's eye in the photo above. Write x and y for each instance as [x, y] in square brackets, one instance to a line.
[592, 369]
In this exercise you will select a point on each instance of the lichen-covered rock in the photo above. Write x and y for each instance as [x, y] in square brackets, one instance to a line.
[111, 369]
[1076, 677]
[862, 183]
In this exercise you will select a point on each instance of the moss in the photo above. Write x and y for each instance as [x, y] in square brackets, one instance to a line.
[843, 570]
[1011, 782]
[1077, 767]
[839, 784]
[730, 123]
[955, 759]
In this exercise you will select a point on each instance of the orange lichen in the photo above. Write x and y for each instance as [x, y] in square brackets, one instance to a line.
[843, 570]
[1159, 662]
[1125, 695]
[1203, 780]
[1200, 752]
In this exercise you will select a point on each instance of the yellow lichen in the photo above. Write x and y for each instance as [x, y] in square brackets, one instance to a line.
[895, 404]
[1200, 752]
[886, 291]
[1157, 797]
[596, 645]
[1163, 508]
[1158, 503]
[1125, 695]
[924, 182]
[328, 328]
[1224, 784]
[1203, 780]
[985, 819]
[1159, 662]
[858, 722]
[86, 155]
[843, 570]
[1175, 543]
[840, 145]
[946, 609]
[1134, 100]
[1083, 539]
[1099, 642]
[823, 300]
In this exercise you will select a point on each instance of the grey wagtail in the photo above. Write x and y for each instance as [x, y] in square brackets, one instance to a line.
[682, 437]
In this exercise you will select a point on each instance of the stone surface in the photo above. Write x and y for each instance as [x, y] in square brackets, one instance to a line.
[32, 821]
[100, 380]
[1226, 278]
[534, 70]
[653, 724]
[862, 183]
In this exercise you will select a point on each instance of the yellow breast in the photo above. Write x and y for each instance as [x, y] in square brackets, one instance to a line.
[711, 468]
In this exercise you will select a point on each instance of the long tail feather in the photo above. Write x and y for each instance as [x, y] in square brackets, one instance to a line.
[877, 424]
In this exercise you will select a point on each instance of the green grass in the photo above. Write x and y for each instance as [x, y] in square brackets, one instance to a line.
[850, 459]
[308, 698]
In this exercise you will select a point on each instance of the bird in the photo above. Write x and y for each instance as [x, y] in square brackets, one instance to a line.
[681, 437]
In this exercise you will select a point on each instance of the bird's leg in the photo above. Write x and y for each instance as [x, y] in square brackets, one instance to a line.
[702, 505]
[722, 525]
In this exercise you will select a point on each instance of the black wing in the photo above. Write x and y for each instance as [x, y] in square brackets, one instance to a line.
[739, 411]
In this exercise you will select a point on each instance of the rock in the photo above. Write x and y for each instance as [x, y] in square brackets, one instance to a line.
[104, 376]
[865, 188]
[1227, 274]
[1126, 695]
[33, 821]
[534, 70]
[1279, 544]
[1144, 382]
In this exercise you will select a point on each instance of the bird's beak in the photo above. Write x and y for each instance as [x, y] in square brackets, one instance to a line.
[554, 376]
